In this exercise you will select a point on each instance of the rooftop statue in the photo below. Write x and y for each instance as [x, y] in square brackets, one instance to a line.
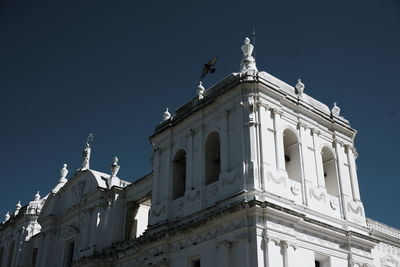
[86, 153]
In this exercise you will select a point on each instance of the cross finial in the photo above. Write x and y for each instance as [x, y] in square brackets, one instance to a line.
[89, 140]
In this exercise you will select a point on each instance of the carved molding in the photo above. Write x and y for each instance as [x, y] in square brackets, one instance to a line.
[333, 203]
[356, 210]
[159, 212]
[70, 231]
[389, 249]
[317, 240]
[194, 196]
[212, 189]
[178, 204]
[281, 180]
[224, 243]
[213, 234]
[359, 264]
[294, 189]
[389, 261]
[243, 238]
[231, 181]
[319, 197]
[279, 226]
[302, 124]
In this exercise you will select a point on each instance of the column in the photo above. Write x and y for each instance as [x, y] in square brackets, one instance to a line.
[291, 255]
[318, 160]
[156, 174]
[275, 257]
[17, 250]
[303, 158]
[280, 157]
[254, 148]
[189, 164]
[224, 143]
[43, 250]
[342, 171]
[223, 253]
[353, 173]
[339, 176]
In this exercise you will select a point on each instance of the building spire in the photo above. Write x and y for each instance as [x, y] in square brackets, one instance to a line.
[248, 63]
[86, 153]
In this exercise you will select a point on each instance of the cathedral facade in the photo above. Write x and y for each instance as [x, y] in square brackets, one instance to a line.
[250, 172]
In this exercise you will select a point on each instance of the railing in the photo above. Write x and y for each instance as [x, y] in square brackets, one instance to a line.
[380, 227]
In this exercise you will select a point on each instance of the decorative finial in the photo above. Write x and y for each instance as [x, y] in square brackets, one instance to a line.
[300, 87]
[335, 110]
[248, 63]
[17, 208]
[200, 90]
[63, 173]
[166, 115]
[86, 153]
[115, 167]
[7, 216]
[37, 196]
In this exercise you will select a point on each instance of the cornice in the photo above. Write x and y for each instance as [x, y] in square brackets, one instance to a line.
[170, 230]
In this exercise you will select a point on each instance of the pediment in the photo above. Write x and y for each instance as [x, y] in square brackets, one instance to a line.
[80, 184]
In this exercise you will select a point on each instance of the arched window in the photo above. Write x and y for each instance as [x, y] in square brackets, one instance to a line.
[179, 174]
[330, 174]
[292, 155]
[212, 158]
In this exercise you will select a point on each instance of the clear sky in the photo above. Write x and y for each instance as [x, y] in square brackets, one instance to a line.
[69, 68]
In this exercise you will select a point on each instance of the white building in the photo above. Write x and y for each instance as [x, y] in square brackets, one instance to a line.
[250, 172]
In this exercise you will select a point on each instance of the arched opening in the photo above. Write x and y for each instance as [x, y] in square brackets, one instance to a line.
[131, 220]
[292, 155]
[330, 174]
[212, 158]
[179, 174]
[137, 215]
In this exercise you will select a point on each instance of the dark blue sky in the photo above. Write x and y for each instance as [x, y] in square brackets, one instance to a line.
[68, 68]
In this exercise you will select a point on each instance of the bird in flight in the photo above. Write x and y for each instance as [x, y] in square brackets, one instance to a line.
[209, 67]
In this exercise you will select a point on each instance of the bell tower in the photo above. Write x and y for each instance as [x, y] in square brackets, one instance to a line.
[252, 136]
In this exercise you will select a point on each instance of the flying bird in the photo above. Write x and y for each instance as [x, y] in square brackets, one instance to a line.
[209, 67]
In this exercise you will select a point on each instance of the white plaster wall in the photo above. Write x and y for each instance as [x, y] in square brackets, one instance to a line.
[225, 118]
